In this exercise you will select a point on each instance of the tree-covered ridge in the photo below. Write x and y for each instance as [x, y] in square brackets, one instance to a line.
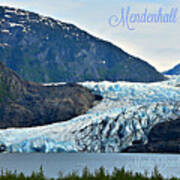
[100, 174]
[42, 49]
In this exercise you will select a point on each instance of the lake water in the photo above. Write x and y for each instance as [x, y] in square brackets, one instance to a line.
[168, 165]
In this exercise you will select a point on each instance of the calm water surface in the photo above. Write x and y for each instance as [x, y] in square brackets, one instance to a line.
[168, 165]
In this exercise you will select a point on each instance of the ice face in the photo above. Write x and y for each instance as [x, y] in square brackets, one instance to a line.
[126, 114]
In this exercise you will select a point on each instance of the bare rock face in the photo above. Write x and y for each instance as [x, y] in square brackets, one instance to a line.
[26, 104]
[42, 49]
[163, 138]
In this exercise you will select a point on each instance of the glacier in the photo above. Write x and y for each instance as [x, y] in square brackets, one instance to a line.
[126, 114]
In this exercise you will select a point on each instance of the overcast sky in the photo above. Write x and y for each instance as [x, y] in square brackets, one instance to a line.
[158, 44]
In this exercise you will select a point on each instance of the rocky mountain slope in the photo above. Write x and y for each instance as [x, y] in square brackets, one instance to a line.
[174, 71]
[163, 138]
[128, 115]
[42, 49]
[25, 104]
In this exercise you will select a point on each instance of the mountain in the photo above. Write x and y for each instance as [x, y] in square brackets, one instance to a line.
[25, 104]
[174, 71]
[42, 49]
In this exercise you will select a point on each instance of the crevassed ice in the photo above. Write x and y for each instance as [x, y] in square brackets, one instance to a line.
[126, 114]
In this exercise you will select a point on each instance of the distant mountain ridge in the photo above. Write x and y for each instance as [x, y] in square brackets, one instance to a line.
[174, 71]
[42, 49]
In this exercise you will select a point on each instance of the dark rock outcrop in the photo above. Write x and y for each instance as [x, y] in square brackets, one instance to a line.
[163, 138]
[25, 104]
[42, 49]
[2, 148]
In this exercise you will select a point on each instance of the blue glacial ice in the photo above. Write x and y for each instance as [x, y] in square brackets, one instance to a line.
[126, 114]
